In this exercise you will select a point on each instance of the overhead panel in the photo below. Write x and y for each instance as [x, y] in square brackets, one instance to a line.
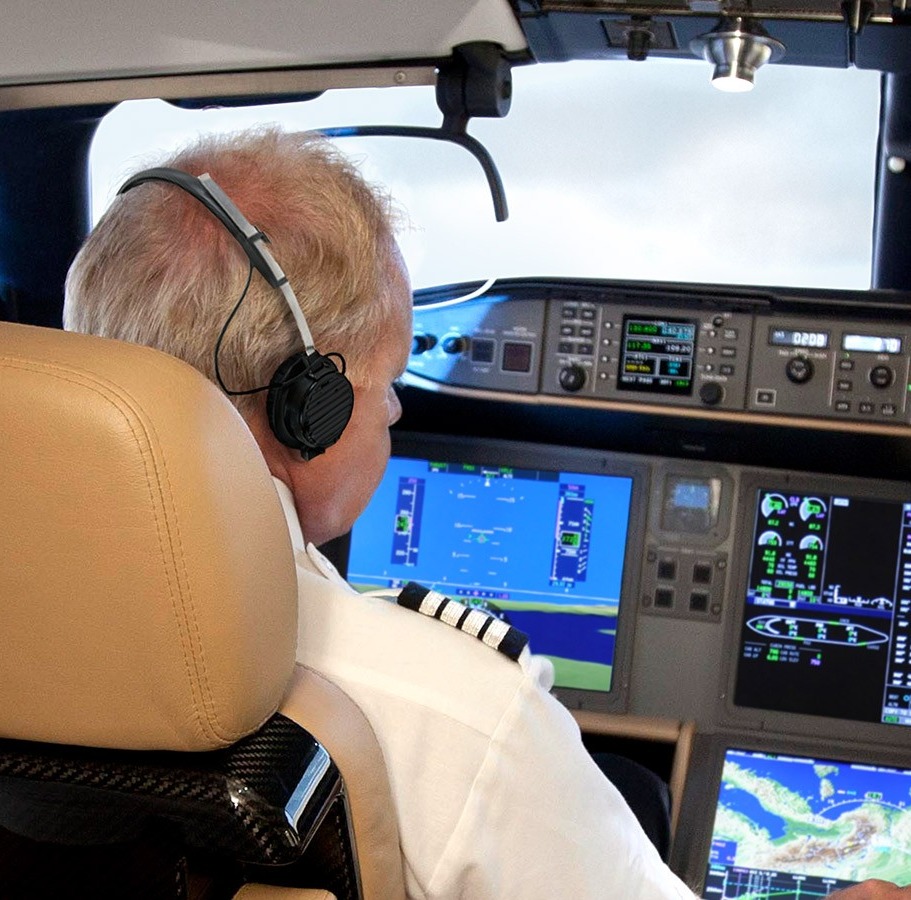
[814, 32]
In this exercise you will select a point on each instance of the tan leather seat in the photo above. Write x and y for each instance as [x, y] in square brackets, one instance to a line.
[146, 575]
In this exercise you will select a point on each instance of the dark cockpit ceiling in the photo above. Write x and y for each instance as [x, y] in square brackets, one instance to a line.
[813, 32]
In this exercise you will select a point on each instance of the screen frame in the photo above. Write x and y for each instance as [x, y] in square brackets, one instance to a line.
[799, 723]
[520, 454]
[693, 835]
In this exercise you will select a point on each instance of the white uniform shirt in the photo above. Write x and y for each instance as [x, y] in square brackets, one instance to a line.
[496, 797]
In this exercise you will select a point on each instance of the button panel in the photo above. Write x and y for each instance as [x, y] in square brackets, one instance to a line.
[614, 348]
[485, 345]
[837, 369]
[649, 354]
[680, 582]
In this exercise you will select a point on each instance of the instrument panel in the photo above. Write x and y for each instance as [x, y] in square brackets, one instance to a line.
[815, 361]
[765, 597]
[730, 596]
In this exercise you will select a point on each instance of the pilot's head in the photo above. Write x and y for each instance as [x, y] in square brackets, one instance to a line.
[159, 269]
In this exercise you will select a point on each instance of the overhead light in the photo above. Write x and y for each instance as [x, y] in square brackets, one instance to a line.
[737, 47]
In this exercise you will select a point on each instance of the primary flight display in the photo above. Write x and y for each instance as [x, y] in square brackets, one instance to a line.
[543, 549]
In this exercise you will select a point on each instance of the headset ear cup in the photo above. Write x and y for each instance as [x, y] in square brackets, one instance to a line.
[309, 403]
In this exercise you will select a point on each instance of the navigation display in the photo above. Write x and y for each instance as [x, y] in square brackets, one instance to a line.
[542, 549]
[796, 827]
[658, 355]
[827, 618]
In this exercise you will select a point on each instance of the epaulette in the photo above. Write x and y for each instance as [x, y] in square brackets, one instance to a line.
[479, 623]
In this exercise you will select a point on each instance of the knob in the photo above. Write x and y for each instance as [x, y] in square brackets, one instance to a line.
[711, 393]
[881, 376]
[799, 369]
[421, 343]
[572, 378]
[455, 344]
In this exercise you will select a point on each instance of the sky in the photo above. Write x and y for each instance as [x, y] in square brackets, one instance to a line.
[611, 169]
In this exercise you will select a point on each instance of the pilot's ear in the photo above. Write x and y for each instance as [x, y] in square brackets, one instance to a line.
[279, 458]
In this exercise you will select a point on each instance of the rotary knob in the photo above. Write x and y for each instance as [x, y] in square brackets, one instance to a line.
[881, 376]
[454, 344]
[572, 378]
[421, 343]
[799, 369]
[711, 393]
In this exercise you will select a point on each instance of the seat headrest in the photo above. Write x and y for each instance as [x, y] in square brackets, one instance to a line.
[147, 582]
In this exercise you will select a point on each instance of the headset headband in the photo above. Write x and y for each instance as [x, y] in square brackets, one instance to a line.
[251, 239]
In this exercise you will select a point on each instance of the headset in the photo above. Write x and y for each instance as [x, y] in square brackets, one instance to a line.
[310, 399]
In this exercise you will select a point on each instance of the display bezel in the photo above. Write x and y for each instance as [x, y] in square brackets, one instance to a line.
[692, 844]
[496, 452]
[799, 723]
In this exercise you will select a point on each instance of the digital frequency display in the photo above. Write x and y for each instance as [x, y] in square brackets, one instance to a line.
[828, 608]
[789, 827]
[543, 549]
[790, 337]
[658, 355]
[871, 343]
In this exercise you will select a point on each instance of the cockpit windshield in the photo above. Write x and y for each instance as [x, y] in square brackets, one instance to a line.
[620, 170]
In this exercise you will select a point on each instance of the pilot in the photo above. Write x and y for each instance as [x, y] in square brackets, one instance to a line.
[495, 795]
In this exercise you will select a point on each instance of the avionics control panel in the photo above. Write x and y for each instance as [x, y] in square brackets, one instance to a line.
[750, 597]
[693, 356]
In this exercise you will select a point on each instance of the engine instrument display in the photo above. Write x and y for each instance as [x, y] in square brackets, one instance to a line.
[827, 618]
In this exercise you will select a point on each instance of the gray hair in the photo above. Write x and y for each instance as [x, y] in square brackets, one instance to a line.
[161, 270]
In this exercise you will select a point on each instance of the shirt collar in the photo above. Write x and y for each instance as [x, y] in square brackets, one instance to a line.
[290, 511]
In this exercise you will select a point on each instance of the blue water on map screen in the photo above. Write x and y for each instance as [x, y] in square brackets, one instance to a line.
[794, 826]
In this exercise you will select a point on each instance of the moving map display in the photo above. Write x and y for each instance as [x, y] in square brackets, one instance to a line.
[827, 618]
[795, 827]
[542, 549]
